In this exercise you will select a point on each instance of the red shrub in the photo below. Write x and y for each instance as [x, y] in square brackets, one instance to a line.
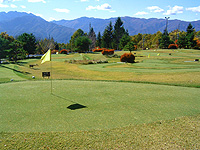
[54, 51]
[173, 46]
[127, 57]
[198, 43]
[108, 52]
[135, 47]
[64, 51]
[98, 49]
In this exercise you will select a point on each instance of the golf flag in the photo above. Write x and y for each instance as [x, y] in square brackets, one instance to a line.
[46, 56]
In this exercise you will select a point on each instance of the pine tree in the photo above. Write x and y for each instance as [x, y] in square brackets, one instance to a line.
[107, 37]
[119, 31]
[165, 40]
[92, 37]
[182, 40]
[190, 43]
[99, 40]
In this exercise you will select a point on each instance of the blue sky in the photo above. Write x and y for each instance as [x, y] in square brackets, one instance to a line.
[187, 10]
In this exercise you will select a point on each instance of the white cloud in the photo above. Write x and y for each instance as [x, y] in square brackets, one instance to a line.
[194, 9]
[174, 10]
[35, 1]
[13, 6]
[141, 13]
[62, 10]
[3, 6]
[105, 6]
[22, 6]
[84, 0]
[155, 9]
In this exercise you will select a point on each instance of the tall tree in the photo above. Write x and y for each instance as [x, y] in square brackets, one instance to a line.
[16, 51]
[107, 37]
[82, 44]
[45, 45]
[76, 34]
[92, 37]
[99, 40]
[29, 42]
[130, 46]
[124, 41]
[182, 40]
[190, 42]
[119, 31]
[5, 40]
[165, 40]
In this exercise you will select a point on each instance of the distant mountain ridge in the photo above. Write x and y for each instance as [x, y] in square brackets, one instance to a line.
[134, 25]
[16, 23]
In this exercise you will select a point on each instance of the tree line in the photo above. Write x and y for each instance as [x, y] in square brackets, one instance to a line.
[114, 37]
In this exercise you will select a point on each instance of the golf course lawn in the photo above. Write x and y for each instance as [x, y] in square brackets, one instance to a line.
[151, 104]
[29, 106]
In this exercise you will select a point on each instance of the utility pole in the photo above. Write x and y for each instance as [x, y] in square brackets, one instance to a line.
[178, 31]
[167, 18]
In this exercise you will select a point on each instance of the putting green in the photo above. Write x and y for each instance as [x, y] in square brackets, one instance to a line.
[30, 107]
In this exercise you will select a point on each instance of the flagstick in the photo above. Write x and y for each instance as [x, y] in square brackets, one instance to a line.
[51, 77]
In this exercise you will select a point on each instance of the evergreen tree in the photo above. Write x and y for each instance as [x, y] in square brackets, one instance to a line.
[124, 41]
[99, 40]
[190, 42]
[82, 44]
[182, 40]
[29, 42]
[130, 46]
[118, 33]
[107, 37]
[5, 40]
[92, 37]
[165, 40]
[16, 51]
[76, 34]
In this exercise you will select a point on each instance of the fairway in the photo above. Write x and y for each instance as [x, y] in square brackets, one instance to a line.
[29, 106]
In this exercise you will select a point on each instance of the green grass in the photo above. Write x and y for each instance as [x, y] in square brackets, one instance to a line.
[8, 72]
[31, 107]
[117, 109]
[178, 133]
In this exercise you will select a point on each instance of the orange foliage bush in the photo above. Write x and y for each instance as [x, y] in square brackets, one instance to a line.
[98, 49]
[108, 52]
[54, 51]
[198, 43]
[64, 51]
[127, 57]
[173, 46]
[135, 47]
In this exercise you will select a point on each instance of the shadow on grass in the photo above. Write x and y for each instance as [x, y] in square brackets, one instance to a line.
[14, 70]
[74, 106]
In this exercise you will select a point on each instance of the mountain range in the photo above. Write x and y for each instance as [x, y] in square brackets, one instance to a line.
[16, 23]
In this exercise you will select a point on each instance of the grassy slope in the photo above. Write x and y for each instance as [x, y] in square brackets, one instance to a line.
[7, 72]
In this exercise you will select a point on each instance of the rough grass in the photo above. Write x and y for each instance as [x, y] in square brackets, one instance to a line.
[179, 133]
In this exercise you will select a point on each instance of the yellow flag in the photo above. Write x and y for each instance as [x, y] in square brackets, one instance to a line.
[46, 56]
